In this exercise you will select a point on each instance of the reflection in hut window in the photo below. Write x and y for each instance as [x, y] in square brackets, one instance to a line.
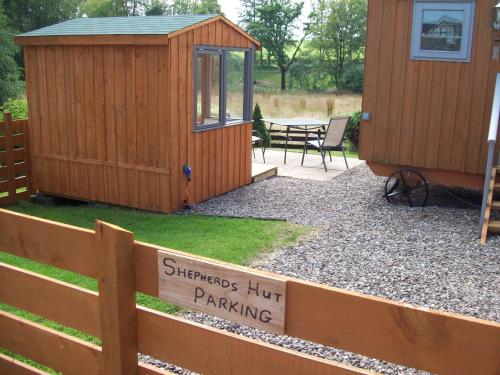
[442, 30]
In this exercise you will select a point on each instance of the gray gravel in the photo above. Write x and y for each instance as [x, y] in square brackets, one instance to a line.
[429, 256]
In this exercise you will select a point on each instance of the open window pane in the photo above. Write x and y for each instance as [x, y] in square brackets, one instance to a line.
[442, 30]
[209, 89]
[235, 97]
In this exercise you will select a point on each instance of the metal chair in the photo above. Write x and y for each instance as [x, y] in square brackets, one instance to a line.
[332, 141]
[257, 138]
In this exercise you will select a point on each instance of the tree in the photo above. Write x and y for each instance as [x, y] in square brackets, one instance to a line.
[156, 8]
[103, 8]
[275, 28]
[338, 29]
[248, 16]
[10, 86]
[248, 12]
[27, 15]
[113, 8]
[195, 7]
[208, 7]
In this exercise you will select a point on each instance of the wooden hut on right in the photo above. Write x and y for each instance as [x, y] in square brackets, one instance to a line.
[430, 82]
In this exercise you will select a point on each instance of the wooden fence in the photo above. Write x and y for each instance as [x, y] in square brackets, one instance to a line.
[13, 160]
[435, 341]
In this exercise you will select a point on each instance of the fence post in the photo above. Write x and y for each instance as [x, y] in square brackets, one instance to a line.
[117, 302]
[27, 157]
[9, 158]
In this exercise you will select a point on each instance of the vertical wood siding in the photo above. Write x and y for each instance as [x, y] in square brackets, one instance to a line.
[425, 114]
[115, 123]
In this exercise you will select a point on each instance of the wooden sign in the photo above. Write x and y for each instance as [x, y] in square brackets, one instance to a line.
[238, 295]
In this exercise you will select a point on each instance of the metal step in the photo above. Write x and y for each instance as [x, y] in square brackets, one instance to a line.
[495, 205]
[494, 226]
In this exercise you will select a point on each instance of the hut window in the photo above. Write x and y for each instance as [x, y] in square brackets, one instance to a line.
[208, 96]
[223, 86]
[442, 30]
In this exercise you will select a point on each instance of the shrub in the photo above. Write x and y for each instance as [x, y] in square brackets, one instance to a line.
[17, 107]
[260, 126]
[352, 78]
[352, 131]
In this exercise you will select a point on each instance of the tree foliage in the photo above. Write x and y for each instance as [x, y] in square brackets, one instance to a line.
[103, 8]
[113, 8]
[10, 85]
[274, 27]
[248, 12]
[338, 29]
[156, 8]
[27, 15]
[195, 7]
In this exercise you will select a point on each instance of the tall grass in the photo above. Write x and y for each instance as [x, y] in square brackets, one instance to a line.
[301, 104]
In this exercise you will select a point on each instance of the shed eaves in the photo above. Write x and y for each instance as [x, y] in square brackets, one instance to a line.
[137, 25]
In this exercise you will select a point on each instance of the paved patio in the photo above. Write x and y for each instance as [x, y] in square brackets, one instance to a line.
[312, 169]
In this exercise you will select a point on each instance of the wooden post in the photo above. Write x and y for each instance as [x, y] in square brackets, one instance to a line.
[117, 299]
[9, 156]
[27, 158]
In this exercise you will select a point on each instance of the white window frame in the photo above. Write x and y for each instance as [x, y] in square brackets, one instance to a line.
[464, 55]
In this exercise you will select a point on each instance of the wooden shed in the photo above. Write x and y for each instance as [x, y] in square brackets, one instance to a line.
[430, 75]
[118, 107]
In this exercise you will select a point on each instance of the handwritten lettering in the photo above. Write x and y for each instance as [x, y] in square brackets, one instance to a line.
[229, 292]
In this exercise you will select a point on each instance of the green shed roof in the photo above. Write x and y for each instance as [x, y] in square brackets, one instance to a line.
[138, 25]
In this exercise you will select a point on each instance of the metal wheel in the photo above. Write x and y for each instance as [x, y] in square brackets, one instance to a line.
[407, 186]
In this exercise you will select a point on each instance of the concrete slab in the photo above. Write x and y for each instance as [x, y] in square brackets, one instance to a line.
[312, 169]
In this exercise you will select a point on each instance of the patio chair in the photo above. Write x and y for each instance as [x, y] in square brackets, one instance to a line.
[332, 141]
[257, 138]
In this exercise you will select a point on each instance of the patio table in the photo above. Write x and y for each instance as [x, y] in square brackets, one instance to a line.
[306, 124]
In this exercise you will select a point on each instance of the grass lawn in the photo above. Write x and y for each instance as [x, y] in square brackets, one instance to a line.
[231, 240]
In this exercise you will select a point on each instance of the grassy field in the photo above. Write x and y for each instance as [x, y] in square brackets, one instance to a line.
[231, 240]
[275, 103]
[290, 104]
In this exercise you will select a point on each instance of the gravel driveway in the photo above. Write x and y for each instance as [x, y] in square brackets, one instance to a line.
[424, 256]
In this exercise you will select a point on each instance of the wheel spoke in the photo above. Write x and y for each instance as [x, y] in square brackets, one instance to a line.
[394, 187]
[394, 194]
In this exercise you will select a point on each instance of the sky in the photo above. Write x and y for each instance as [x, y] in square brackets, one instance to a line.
[231, 9]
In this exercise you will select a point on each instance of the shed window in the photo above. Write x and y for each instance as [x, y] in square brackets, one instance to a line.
[442, 30]
[223, 91]
[209, 88]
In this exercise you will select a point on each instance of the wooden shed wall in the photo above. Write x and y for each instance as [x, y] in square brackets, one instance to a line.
[425, 114]
[114, 123]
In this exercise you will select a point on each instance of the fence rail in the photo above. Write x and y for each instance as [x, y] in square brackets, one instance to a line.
[13, 160]
[439, 342]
